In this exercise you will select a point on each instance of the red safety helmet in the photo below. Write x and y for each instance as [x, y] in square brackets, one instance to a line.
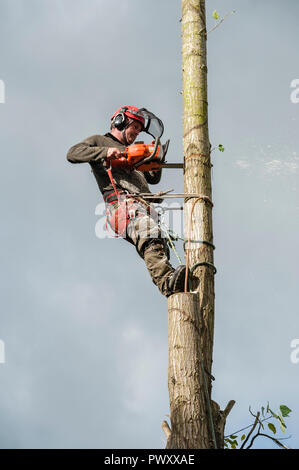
[119, 118]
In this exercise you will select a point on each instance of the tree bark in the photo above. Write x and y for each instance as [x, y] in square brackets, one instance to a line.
[196, 421]
[185, 383]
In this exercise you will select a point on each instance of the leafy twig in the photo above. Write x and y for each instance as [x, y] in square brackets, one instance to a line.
[221, 21]
[280, 416]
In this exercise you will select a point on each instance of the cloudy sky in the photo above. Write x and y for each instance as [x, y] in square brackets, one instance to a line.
[84, 328]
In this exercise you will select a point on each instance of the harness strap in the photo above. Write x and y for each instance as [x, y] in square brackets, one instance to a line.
[106, 199]
[113, 182]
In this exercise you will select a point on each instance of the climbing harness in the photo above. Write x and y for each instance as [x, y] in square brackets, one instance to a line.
[122, 208]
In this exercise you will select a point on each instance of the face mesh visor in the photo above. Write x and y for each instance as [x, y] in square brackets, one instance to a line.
[152, 124]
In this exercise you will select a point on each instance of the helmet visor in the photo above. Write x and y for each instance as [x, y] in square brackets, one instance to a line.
[152, 124]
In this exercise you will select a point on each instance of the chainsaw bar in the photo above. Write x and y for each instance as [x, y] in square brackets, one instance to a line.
[172, 165]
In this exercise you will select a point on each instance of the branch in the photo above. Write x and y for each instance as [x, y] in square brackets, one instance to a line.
[221, 21]
[220, 419]
[252, 429]
[228, 408]
[166, 429]
[270, 437]
[247, 427]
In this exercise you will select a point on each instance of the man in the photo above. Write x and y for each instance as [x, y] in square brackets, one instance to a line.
[130, 217]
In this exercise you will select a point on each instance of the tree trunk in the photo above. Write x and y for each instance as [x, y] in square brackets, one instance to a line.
[185, 381]
[198, 211]
[196, 421]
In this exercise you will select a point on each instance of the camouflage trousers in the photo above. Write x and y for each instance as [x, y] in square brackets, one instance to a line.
[142, 229]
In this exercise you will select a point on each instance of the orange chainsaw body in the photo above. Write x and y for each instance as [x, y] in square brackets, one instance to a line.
[136, 152]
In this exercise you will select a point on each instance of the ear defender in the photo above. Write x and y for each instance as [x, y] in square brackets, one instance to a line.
[120, 120]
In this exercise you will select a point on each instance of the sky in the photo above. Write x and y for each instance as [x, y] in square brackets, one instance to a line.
[83, 329]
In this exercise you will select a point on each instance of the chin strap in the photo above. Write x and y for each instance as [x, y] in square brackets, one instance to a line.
[124, 136]
[124, 131]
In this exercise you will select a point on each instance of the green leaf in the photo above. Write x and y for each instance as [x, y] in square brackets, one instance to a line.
[229, 440]
[215, 15]
[233, 443]
[285, 411]
[243, 437]
[221, 148]
[272, 428]
[263, 409]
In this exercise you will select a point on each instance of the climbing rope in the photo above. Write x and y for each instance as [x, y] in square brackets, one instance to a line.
[203, 263]
[172, 246]
[171, 236]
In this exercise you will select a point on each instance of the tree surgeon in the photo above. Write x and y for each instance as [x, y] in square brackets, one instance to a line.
[131, 218]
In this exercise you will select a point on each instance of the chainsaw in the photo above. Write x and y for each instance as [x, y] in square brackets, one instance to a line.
[144, 157]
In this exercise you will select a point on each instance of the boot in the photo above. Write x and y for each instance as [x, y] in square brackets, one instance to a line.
[177, 280]
[164, 276]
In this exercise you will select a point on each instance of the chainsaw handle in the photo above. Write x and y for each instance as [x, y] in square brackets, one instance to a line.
[149, 158]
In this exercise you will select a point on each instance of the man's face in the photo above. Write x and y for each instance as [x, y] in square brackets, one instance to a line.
[132, 131]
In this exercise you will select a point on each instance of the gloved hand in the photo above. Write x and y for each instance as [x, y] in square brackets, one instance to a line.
[113, 153]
